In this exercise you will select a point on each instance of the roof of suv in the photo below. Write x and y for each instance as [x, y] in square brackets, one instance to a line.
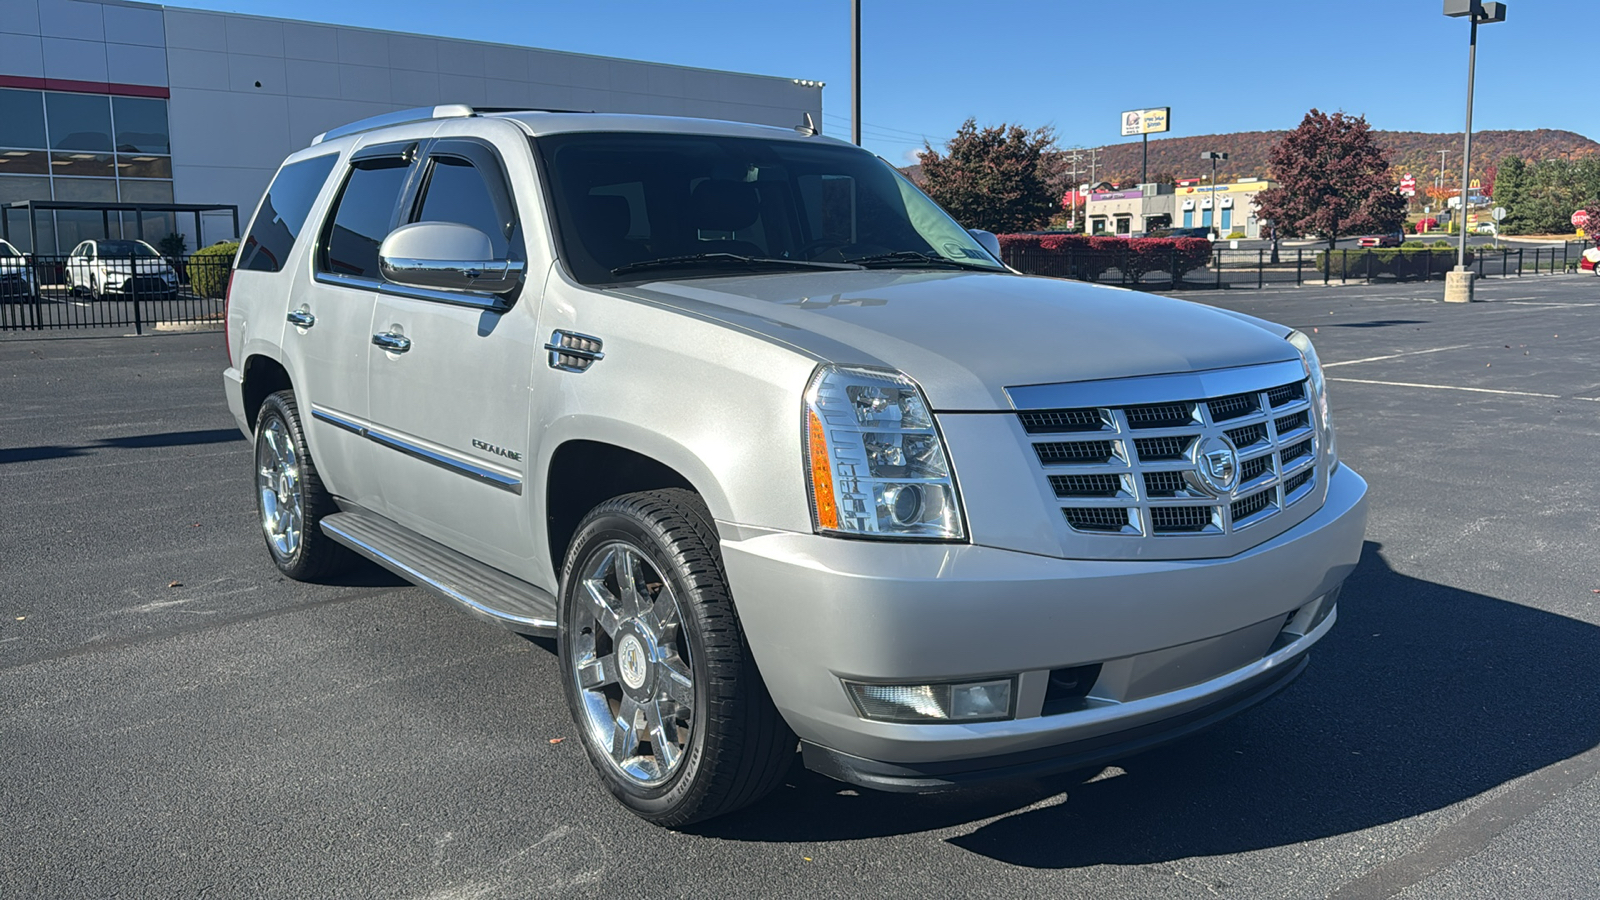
[542, 122]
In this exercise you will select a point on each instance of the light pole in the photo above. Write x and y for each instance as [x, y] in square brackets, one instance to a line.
[855, 72]
[1216, 202]
[1458, 284]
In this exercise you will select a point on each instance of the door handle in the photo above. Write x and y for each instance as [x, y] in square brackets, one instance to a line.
[394, 343]
[302, 318]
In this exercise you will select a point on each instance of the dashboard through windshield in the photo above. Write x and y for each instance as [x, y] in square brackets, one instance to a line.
[630, 206]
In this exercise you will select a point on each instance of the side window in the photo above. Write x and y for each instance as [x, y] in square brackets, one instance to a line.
[283, 213]
[362, 217]
[458, 191]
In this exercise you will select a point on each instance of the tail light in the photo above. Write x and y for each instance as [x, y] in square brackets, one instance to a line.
[227, 317]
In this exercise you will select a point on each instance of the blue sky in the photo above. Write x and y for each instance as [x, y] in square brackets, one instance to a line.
[1073, 64]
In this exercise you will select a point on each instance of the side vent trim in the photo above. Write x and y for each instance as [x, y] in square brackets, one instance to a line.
[573, 352]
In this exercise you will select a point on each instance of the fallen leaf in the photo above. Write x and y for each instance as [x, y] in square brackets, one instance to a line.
[174, 584]
[556, 740]
[1591, 590]
[806, 858]
[20, 618]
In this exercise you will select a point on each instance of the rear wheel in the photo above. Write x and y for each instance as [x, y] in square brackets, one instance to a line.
[290, 498]
[94, 287]
[668, 702]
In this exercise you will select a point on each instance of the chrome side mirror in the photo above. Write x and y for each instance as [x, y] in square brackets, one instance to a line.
[987, 239]
[446, 256]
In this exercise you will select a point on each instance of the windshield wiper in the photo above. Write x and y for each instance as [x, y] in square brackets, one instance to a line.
[695, 259]
[917, 259]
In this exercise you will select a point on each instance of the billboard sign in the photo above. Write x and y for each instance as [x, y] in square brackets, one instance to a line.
[1408, 185]
[1146, 121]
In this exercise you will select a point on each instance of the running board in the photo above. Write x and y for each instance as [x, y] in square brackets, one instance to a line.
[483, 590]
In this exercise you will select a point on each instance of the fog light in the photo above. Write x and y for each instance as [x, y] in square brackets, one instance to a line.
[970, 702]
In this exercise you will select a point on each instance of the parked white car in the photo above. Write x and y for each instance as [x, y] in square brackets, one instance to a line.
[129, 268]
[16, 275]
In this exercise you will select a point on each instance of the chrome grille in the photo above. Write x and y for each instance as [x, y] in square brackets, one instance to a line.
[1134, 470]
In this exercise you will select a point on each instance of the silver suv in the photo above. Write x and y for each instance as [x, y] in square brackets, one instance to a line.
[776, 450]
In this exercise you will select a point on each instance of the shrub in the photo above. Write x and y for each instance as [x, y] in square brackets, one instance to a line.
[210, 268]
[1088, 258]
[1236, 236]
[173, 245]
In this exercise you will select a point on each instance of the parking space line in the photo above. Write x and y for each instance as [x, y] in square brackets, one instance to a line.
[1450, 387]
[1351, 362]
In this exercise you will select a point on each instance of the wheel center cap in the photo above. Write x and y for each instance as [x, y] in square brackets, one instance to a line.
[631, 661]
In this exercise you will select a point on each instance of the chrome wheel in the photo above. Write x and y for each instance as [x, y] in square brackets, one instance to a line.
[630, 661]
[278, 487]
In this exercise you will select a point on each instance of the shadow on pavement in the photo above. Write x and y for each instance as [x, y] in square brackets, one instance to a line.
[132, 442]
[1422, 696]
[1377, 323]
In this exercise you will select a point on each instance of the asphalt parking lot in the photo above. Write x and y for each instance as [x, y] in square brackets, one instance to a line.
[177, 720]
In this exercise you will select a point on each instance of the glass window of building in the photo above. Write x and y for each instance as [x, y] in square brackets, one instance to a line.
[141, 125]
[22, 119]
[78, 121]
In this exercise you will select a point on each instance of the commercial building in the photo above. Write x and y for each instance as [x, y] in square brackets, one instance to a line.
[122, 103]
[1229, 207]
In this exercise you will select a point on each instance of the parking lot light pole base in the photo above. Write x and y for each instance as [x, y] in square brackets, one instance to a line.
[1458, 285]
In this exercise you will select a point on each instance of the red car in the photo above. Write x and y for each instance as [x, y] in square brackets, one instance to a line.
[1383, 240]
[1590, 261]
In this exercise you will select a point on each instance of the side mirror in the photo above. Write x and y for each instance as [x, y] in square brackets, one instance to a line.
[987, 239]
[446, 256]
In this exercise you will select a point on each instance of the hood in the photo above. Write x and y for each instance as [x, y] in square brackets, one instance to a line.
[965, 336]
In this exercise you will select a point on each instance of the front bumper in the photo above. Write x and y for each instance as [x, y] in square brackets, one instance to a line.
[1179, 642]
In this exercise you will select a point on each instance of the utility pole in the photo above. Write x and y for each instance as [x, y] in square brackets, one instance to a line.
[1458, 284]
[1073, 156]
[855, 72]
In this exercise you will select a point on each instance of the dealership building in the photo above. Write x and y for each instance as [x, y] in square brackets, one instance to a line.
[144, 117]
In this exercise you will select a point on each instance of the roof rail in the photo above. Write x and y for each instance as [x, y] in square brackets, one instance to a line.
[400, 117]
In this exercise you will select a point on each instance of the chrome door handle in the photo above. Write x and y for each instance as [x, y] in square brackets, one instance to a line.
[301, 318]
[394, 343]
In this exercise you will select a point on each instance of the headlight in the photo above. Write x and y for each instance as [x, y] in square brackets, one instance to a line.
[875, 463]
[1319, 388]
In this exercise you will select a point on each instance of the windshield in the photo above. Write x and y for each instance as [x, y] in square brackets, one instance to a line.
[631, 205]
[124, 248]
[7, 250]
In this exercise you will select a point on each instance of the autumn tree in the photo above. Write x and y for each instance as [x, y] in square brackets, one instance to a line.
[1333, 179]
[997, 179]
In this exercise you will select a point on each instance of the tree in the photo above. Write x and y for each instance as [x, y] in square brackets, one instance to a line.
[1333, 179]
[997, 179]
[1510, 191]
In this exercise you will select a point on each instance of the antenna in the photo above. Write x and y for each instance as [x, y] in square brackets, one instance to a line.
[809, 129]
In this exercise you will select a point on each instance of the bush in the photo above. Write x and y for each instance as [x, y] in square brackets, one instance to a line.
[1236, 236]
[1087, 258]
[210, 267]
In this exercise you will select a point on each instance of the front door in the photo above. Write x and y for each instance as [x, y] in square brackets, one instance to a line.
[453, 404]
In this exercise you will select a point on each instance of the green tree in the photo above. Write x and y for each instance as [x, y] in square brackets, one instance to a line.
[1333, 179]
[1554, 190]
[1511, 192]
[997, 179]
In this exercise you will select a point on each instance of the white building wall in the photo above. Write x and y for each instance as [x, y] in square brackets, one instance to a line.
[245, 91]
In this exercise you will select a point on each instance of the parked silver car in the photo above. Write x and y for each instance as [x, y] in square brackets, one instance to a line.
[778, 450]
[18, 282]
[128, 268]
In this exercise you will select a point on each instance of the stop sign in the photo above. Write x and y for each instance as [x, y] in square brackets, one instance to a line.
[1580, 219]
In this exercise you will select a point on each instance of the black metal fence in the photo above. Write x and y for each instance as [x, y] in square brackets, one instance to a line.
[1260, 267]
[55, 292]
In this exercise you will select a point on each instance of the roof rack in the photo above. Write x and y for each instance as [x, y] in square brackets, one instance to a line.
[424, 114]
[399, 117]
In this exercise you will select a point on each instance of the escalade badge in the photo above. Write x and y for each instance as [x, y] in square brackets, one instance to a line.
[497, 451]
[1218, 463]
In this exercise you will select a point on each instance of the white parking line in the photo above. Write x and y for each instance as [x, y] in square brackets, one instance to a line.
[1451, 387]
[1351, 362]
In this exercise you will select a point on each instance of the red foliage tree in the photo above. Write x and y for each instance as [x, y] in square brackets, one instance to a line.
[1333, 180]
[996, 179]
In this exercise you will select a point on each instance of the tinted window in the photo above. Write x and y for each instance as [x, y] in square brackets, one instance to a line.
[21, 119]
[458, 193]
[125, 248]
[283, 213]
[141, 125]
[361, 218]
[79, 121]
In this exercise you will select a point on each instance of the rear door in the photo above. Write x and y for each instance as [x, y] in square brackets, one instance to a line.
[330, 328]
[454, 406]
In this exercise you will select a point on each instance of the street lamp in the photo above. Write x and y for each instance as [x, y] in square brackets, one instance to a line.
[1458, 284]
[1216, 203]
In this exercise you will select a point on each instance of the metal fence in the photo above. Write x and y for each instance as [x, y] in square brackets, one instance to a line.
[57, 292]
[1260, 268]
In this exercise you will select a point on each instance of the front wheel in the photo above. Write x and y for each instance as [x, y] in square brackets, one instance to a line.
[668, 702]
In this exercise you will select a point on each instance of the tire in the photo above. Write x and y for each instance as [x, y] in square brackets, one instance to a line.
[94, 287]
[290, 499]
[677, 641]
